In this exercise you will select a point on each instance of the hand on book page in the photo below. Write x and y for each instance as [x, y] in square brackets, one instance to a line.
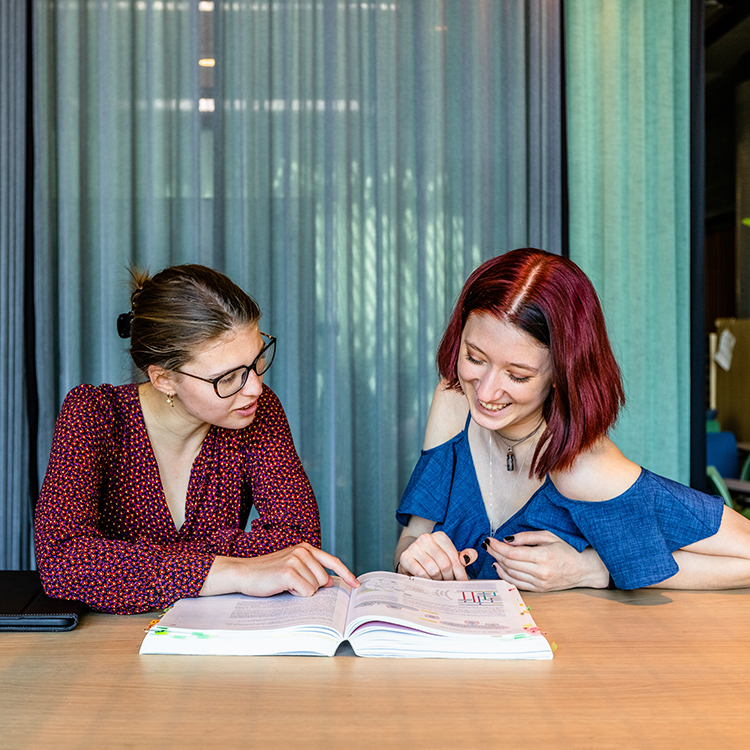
[433, 555]
[300, 570]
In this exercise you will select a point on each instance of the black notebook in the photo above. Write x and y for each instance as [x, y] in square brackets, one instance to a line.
[25, 606]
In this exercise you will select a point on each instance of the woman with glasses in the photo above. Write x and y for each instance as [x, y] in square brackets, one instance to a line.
[150, 485]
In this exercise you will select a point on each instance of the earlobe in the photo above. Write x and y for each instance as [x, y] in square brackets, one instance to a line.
[161, 379]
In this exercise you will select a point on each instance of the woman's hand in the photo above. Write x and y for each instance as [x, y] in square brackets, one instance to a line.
[432, 555]
[300, 570]
[541, 561]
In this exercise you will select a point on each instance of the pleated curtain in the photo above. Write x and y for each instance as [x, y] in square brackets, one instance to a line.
[628, 110]
[15, 499]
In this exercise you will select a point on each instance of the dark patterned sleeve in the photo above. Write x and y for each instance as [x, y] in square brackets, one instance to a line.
[75, 559]
[281, 492]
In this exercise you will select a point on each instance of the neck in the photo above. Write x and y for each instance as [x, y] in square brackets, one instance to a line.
[519, 449]
[169, 425]
[519, 435]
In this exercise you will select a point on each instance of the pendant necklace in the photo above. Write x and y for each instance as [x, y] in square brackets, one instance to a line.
[510, 444]
[491, 509]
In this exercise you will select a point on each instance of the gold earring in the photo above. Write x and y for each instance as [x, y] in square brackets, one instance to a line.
[170, 399]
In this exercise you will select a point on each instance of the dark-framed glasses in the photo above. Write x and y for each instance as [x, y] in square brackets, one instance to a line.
[232, 382]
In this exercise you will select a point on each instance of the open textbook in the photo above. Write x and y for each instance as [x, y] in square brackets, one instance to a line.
[388, 615]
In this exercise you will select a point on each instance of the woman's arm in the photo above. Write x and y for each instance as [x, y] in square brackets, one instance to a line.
[281, 491]
[419, 552]
[721, 561]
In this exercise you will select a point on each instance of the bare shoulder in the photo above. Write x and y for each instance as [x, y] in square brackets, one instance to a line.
[600, 473]
[447, 416]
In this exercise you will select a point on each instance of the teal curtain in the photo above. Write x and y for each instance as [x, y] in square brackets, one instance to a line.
[347, 163]
[628, 110]
[15, 501]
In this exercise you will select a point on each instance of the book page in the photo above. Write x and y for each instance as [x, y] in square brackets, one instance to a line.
[471, 608]
[236, 612]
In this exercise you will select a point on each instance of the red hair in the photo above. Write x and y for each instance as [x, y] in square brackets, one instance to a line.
[551, 299]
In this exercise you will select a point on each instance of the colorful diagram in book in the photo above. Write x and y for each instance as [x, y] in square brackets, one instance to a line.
[479, 597]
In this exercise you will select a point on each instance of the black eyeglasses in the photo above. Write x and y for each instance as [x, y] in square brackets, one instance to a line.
[232, 382]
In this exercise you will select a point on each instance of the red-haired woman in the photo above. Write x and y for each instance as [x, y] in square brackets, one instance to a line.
[518, 477]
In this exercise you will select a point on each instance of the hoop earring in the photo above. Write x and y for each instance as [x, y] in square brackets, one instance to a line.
[170, 399]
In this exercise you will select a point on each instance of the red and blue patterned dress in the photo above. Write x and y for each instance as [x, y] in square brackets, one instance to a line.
[103, 531]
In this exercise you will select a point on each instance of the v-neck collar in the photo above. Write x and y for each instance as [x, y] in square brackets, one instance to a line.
[197, 470]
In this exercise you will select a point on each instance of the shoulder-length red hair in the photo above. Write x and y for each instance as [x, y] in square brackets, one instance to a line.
[551, 299]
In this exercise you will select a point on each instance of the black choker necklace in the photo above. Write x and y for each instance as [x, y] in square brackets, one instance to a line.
[511, 443]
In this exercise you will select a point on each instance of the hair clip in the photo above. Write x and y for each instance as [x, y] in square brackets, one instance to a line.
[125, 324]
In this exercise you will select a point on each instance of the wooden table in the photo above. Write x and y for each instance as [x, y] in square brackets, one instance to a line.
[661, 669]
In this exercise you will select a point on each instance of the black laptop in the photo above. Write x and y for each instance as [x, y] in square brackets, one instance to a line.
[25, 606]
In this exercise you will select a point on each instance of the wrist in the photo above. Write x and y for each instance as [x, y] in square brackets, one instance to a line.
[224, 576]
[596, 575]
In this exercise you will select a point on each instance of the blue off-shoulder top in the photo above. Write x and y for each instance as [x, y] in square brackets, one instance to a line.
[634, 533]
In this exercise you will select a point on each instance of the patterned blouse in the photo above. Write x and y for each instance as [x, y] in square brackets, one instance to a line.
[103, 531]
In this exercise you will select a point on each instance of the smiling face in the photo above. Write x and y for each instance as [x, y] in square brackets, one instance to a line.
[198, 399]
[505, 374]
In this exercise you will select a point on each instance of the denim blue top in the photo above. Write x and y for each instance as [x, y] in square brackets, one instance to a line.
[634, 533]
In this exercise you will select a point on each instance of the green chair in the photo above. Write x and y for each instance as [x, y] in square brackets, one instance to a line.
[716, 481]
[724, 488]
[745, 473]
